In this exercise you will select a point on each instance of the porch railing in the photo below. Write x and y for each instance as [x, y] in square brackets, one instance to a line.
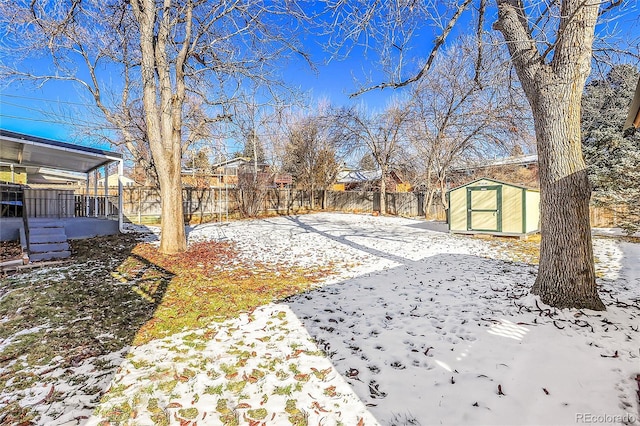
[51, 204]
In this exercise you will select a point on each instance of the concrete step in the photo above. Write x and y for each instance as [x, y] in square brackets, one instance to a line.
[35, 257]
[47, 238]
[47, 235]
[49, 246]
[47, 241]
[44, 222]
[45, 225]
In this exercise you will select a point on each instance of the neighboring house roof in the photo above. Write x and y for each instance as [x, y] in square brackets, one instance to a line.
[113, 181]
[215, 169]
[633, 118]
[34, 153]
[194, 172]
[520, 160]
[231, 162]
[358, 176]
[237, 162]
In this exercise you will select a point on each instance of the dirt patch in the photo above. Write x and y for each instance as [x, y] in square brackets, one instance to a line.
[10, 250]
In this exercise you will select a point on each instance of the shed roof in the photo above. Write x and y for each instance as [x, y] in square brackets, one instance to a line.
[496, 181]
[35, 153]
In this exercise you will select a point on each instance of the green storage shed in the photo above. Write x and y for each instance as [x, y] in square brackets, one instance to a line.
[488, 206]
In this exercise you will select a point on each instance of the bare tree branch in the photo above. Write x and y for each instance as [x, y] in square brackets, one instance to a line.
[438, 42]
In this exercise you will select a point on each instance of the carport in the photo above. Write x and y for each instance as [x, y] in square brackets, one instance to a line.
[25, 159]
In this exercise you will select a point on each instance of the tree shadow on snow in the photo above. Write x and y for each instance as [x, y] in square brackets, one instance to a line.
[436, 226]
[350, 237]
[392, 331]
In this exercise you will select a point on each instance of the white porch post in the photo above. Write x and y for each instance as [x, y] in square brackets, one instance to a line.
[86, 196]
[95, 193]
[106, 190]
[120, 201]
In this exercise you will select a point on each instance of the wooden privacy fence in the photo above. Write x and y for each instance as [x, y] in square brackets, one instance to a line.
[408, 204]
[142, 205]
[606, 216]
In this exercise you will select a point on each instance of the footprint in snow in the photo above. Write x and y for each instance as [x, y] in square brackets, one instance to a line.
[375, 391]
[397, 365]
[374, 369]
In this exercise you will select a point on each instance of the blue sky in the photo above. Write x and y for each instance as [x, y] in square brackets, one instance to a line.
[53, 109]
[56, 109]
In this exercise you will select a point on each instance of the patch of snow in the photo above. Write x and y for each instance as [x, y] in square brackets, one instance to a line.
[207, 359]
[4, 343]
[417, 327]
[612, 232]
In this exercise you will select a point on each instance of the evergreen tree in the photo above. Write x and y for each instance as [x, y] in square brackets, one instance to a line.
[613, 158]
[253, 147]
[367, 162]
[198, 161]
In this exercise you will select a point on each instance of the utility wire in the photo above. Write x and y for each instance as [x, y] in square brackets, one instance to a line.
[46, 100]
[76, 123]
[3, 102]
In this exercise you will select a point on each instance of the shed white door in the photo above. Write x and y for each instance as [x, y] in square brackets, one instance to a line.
[483, 208]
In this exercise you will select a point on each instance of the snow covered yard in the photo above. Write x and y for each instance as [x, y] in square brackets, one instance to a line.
[414, 327]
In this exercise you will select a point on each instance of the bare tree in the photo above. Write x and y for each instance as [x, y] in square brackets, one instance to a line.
[459, 117]
[249, 118]
[550, 46]
[251, 113]
[382, 135]
[311, 152]
[165, 51]
[197, 130]
[554, 85]
[252, 190]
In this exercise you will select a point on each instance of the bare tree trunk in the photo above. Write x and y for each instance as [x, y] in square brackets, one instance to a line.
[163, 115]
[429, 195]
[312, 201]
[443, 193]
[173, 237]
[566, 275]
[428, 202]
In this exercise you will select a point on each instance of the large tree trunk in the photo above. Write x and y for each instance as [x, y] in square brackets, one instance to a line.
[566, 277]
[163, 117]
[173, 238]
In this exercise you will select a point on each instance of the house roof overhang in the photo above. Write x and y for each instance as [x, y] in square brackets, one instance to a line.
[633, 118]
[34, 153]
